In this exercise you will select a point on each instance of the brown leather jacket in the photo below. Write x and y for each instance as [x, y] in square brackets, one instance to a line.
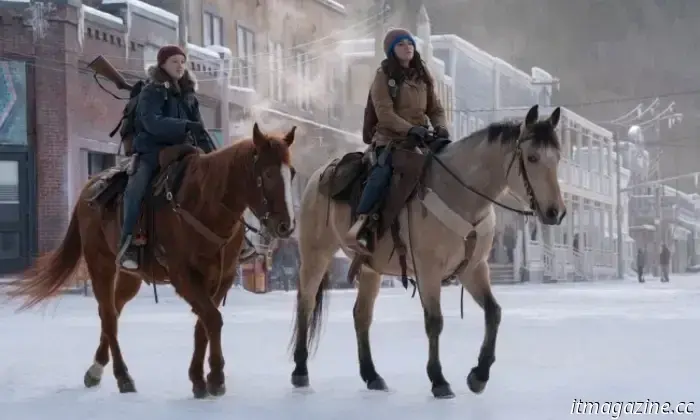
[414, 103]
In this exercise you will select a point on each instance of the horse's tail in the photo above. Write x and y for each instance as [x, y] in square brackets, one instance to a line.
[51, 272]
[316, 321]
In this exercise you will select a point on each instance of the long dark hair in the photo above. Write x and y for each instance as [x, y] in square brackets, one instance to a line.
[416, 69]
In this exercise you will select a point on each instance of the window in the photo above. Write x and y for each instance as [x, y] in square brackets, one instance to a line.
[463, 125]
[98, 162]
[246, 56]
[213, 29]
[277, 80]
[335, 89]
[303, 80]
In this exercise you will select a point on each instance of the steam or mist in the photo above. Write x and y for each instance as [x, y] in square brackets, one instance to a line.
[310, 82]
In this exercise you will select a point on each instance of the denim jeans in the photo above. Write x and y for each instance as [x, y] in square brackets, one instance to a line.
[377, 182]
[136, 189]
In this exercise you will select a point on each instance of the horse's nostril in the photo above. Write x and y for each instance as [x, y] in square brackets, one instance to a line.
[282, 229]
[552, 213]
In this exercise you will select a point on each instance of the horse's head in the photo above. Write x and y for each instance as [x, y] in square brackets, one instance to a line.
[537, 154]
[271, 199]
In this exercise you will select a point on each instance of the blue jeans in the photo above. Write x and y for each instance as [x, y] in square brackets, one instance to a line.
[377, 182]
[136, 189]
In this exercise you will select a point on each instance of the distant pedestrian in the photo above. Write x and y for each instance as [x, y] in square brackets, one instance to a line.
[665, 261]
[641, 262]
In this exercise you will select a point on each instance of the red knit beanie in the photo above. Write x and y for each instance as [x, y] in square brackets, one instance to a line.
[168, 51]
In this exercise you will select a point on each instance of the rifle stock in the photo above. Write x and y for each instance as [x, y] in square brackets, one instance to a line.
[104, 68]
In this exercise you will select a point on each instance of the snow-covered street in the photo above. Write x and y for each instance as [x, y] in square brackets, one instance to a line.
[594, 342]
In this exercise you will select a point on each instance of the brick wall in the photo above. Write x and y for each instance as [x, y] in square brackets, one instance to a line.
[52, 67]
[69, 114]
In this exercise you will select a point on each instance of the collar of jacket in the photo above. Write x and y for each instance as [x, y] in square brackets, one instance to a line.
[187, 84]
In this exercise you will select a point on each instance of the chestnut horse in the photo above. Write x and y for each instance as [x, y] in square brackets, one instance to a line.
[200, 232]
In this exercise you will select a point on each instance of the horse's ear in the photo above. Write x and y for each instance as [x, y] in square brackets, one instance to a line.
[259, 139]
[554, 118]
[289, 138]
[532, 116]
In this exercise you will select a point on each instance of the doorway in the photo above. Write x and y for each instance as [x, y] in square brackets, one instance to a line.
[17, 211]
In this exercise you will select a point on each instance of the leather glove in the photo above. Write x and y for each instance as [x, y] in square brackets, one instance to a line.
[194, 127]
[441, 132]
[418, 131]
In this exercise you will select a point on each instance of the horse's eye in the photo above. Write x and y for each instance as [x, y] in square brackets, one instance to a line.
[533, 158]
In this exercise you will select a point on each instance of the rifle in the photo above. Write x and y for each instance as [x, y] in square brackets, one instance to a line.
[104, 68]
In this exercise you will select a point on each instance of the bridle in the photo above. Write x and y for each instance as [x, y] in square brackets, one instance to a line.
[517, 154]
[260, 184]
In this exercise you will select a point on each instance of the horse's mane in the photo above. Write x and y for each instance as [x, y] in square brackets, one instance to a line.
[507, 132]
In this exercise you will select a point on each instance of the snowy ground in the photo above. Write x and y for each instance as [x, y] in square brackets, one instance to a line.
[595, 342]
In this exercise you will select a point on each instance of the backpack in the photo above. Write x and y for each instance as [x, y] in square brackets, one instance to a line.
[369, 124]
[127, 124]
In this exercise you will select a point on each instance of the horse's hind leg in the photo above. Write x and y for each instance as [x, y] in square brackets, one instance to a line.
[432, 313]
[478, 284]
[102, 268]
[128, 286]
[369, 283]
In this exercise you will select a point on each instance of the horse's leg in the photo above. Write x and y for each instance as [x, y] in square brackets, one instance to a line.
[194, 288]
[314, 263]
[430, 290]
[368, 289]
[128, 286]
[101, 267]
[478, 284]
[196, 371]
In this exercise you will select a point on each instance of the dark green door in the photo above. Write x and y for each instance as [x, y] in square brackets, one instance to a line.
[16, 212]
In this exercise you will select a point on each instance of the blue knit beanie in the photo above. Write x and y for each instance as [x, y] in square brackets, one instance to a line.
[393, 37]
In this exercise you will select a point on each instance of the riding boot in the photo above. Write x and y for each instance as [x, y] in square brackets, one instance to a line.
[127, 257]
[357, 238]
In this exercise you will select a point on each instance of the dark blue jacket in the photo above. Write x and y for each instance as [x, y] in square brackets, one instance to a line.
[163, 111]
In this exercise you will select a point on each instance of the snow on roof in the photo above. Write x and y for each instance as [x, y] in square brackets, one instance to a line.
[333, 5]
[202, 52]
[221, 50]
[164, 14]
[101, 14]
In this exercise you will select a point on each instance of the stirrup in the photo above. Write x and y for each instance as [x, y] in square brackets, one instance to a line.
[125, 258]
[356, 239]
[247, 252]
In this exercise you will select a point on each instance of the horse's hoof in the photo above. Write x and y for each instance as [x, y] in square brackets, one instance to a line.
[216, 390]
[126, 385]
[475, 384]
[90, 380]
[377, 384]
[200, 392]
[300, 381]
[443, 392]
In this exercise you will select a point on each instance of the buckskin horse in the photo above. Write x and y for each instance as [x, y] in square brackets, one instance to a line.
[197, 227]
[447, 223]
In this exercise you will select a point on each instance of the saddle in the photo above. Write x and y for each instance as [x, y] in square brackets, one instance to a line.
[344, 179]
[107, 190]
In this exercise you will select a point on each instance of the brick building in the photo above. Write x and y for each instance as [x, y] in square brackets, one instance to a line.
[55, 119]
